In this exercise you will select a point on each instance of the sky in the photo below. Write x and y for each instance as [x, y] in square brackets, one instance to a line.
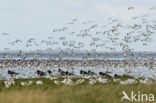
[24, 19]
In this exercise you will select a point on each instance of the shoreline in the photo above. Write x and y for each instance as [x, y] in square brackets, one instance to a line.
[43, 63]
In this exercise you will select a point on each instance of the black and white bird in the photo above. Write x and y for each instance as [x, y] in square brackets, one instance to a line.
[12, 73]
[40, 73]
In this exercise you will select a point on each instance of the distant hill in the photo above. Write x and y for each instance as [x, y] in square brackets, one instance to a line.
[73, 54]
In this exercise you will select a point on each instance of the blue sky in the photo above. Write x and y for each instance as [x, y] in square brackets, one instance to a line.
[25, 19]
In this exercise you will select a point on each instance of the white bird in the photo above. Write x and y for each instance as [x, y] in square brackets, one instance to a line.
[116, 80]
[39, 82]
[9, 82]
[67, 82]
[128, 81]
[103, 81]
[27, 83]
[80, 81]
[146, 81]
[92, 81]
[57, 82]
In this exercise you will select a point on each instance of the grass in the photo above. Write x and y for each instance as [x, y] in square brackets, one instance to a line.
[84, 93]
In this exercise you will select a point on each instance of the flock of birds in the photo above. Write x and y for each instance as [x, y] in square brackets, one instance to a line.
[70, 81]
[114, 34]
[110, 36]
[68, 78]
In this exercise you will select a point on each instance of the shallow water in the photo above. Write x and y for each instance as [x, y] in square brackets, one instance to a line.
[31, 72]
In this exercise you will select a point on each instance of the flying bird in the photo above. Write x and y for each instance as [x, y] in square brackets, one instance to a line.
[130, 8]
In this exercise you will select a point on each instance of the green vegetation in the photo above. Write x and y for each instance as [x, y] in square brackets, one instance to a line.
[84, 93]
